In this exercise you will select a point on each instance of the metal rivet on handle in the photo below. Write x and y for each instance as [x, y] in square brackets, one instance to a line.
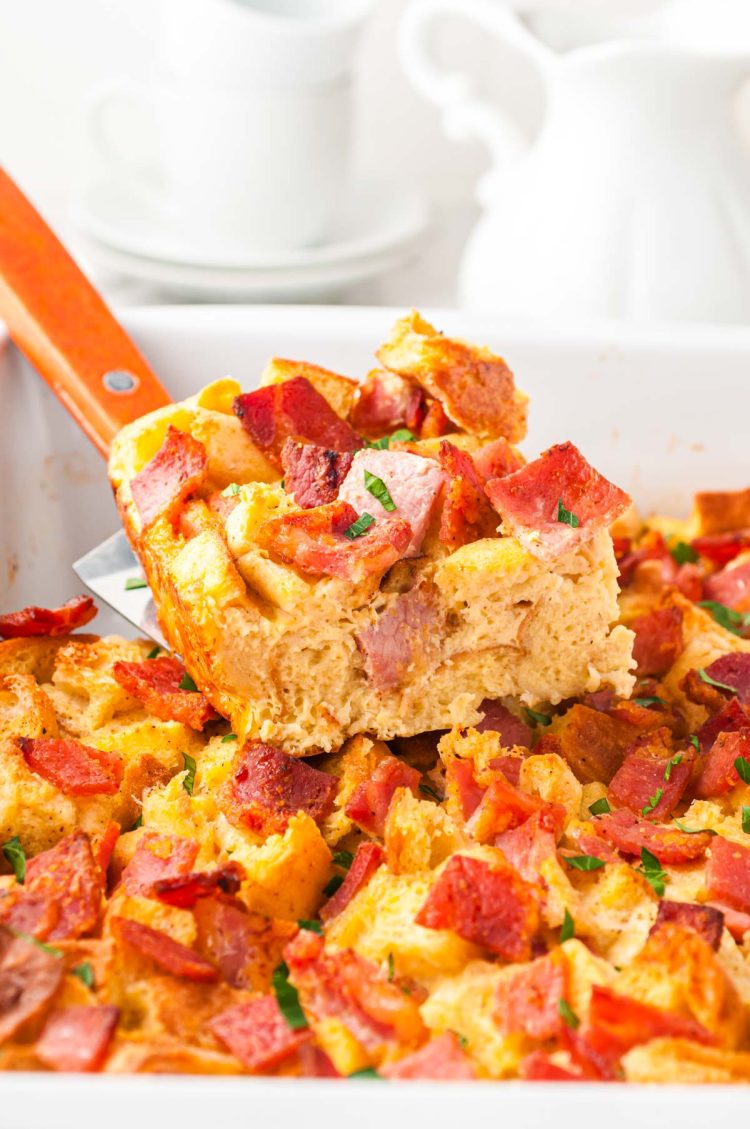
[118, 380]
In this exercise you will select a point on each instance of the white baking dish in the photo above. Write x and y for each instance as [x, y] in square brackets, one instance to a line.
[661, 411]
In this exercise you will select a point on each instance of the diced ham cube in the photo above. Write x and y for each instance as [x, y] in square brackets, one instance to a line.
[403, 638]
[526, 847]
[30, 977]
[652, 779]
[269, 787]
[369, 803]
[539, 1067]
[731, 587]
[61, 896]
[459, 779]
[245, 947]
[413, 482]
[718, 773]
[257, 1033]
[387, 403]
[629, 833]
[368, 858]
[616, 1023]
[48, 621]
[733, 670]
[440, 1060]
[177, 470]
[728, 873]
[658, 640]
[499, 719]
[159, 947]
[528, 1002]
[157, 856]
[77, 1038]
[503, 807]
[312, 474]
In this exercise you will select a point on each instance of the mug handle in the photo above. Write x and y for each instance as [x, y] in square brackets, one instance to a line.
[465, 115]
[99, 104]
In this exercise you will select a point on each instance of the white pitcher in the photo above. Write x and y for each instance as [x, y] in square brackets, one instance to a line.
[634, 200]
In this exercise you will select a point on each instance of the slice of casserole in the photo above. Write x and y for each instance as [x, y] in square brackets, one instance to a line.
[332, 558]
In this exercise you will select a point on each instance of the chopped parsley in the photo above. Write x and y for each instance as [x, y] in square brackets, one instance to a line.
[28, 937]
[154, 653]
[728, 618]
[228, 737]
[695, 742]
[344, 859]
[746, 819]
[534, 718]
[310, 925]
[135, 582]
[693, 830]
[16, 856]
[742, 764]
[367, 1072]
[391, 967]
[712, 682]
[565, 517]
[600, 807]
[360, 526]
[683, 553]
[403, 435]
[653, 801]
[568, 927]
[651, 869]
[85, 974]
[189, 781]
[379, 490]
[584, 862]
[569, 1017]
[333, 885]
[287, 998]
[672, 763]
[231, 491]
[187, 683]
[427, 790]
[463, 1042]
[138, 823]
[650, 700]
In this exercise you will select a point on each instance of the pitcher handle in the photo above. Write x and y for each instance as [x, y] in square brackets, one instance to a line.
[466, 116]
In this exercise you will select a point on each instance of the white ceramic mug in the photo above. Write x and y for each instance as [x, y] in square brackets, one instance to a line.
[250, 112]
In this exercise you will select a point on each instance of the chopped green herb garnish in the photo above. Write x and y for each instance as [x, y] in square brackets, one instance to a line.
[187, 683]
[600, 807]
[568, 927]
[728, 618]
[683, 553]
[360, 526]
[565, 516]
[693, 830]
[650, 700]
[367, 1072]
[672, 763]
[53, 952]
[653, 801]
[584, 862]
[391, 967]
[712, 682]
[282, 484]
[534, 718]
[695, 742]
[569, 1017]
[189, 781]
[403, 435]
[85, 974]
[333, 885]
[344, 859]
[742, 764]
[228, 737]
[651, 870]
[154, 653]
[231, 491]
[16, 856]
[463, 1042]
[138, 823]
[427, 790]
[746, 819]
[288, 999]
[379, 490]
[310, 926]
[135, 582]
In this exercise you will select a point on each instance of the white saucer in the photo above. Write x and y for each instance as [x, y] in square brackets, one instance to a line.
[377, 218]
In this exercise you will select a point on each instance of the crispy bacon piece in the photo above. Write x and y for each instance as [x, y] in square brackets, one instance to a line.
[159, 947]
[496, 459]
[177, 470]
[269, 787]
[526, 847]
[74, 768]
[528, 1002]
[368, 805]
[440, 1060]
[245, 947]
[77, 1038]
[106, 845]
[588, 844]
[733, 670]
[642, 777]
[467, 514]
[498, 719]
[718, 774]
[157, 857]
[48, 621]
[658, 640]
[737, 923]
[368, 858]
[342, 985]
[156, 683]
[731, 587]
[314, 542]
[706, 921]
[503, 807]
[490, 906]
[539, 1067]
[413, 482]
[594, 743]
[721, 548]
[459, 779]
[185, 890]
[292, 409]
[628, 832]
[257, 1034]
[312, 474]
[616, 1023]
[528, 501]
[436, 422]
[62, 893]
[403, 637]
[510, 766]
[386, 403]
[728, 873]
[731, 718]
[29, 978]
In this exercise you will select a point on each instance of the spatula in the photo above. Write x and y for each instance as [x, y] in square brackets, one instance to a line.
[63, 326]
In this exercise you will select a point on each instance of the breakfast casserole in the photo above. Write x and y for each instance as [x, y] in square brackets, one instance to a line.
[447, 776]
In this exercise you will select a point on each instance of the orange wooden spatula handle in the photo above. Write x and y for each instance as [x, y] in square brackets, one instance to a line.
[56, 317]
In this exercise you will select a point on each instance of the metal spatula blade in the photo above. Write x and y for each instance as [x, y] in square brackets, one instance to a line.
[106, 571]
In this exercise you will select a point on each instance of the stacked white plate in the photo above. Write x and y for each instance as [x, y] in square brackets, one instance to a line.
[380, 226]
